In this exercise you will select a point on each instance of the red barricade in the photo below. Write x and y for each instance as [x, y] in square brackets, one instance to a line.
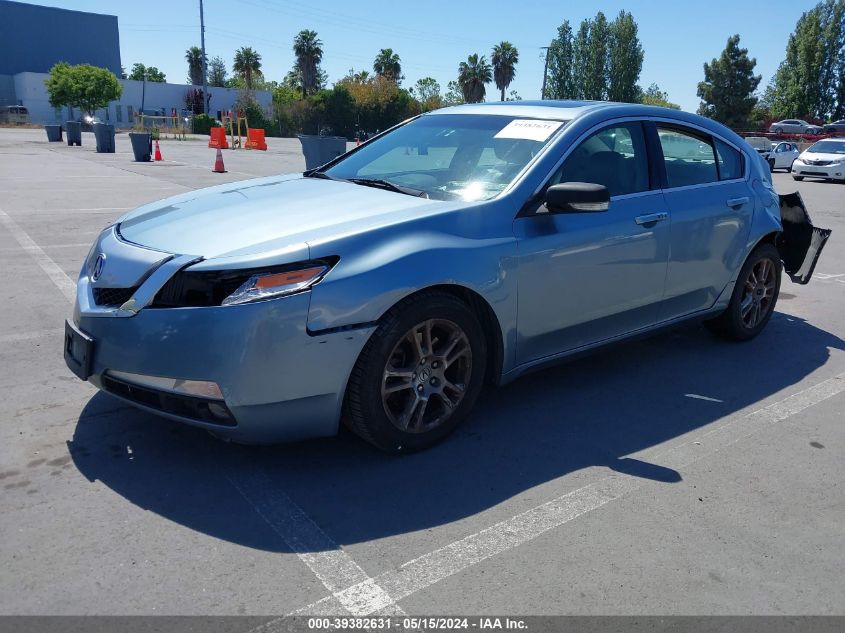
[218, 138]
[255, 139]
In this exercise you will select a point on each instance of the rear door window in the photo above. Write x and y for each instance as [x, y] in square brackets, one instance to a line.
[688, 156]
[731, 165]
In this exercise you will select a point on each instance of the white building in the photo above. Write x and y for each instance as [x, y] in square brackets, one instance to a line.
[29, 91]
[33, 38]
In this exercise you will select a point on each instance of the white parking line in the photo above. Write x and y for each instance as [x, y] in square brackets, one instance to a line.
[426, 570]
[332, 566]
[54, 272]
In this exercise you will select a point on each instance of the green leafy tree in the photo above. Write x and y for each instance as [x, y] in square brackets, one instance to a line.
[625, 60]
[337, 110]
[454, 94]
[561, 81]
[427, 92]
[139, 72]
[217, 72]
[308, 50]
[86, 87]
[473, 75]
[810, 82]
[657, 97]
[247, 64]
[293, 79]
[727, 92]
[505, 57]
[598, 44]
[387, 64]
[581, 57]
[194, 58]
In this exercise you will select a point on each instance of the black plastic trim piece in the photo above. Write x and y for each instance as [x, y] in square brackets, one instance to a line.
[190, 407]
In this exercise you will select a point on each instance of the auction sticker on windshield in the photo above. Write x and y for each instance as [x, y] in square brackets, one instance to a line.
[529, 129]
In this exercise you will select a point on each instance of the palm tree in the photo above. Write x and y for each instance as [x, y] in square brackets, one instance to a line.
[388, 65]
[472, 75]
[247, 63]
[504, 58]
[309, 53]
[194, 58]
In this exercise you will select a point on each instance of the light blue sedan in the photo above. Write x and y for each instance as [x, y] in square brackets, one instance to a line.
[464, 246]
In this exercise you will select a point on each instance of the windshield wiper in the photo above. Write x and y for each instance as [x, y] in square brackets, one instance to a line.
[319, 174]
[381, 183]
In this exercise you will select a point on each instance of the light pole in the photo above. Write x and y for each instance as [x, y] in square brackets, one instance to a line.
[143, 90]
[205, 98]
[545, 72]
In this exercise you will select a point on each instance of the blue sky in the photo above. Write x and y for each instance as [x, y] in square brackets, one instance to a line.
[432, 37]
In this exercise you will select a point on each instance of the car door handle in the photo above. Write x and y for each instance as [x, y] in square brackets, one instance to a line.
[737, 202]
[651, 218]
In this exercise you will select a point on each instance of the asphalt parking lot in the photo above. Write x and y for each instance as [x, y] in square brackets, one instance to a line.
[673, 475]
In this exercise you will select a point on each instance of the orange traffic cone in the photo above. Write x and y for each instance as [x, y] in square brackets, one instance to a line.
[218, 163]
[158, 152]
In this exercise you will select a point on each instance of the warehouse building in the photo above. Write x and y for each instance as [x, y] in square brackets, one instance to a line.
[33, 38]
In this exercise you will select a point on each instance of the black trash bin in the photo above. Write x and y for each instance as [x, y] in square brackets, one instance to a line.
[142, 146]
[319, 150]
[104, 135]
[73, 129]
[54, 133]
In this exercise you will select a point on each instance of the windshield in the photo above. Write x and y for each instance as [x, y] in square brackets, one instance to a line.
[828, 147]
[451, 156]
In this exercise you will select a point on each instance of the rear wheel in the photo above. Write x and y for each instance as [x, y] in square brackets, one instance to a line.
[771, 164]
[754, 296]
[419, 374]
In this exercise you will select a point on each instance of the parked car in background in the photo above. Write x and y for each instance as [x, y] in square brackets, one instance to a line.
[794, 126]
[783, 155]
[14, 114]
[761, 145]
[381, 288]
[824, 159]
[835, 127]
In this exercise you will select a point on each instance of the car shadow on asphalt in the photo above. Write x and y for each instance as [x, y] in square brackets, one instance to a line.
[592, 412]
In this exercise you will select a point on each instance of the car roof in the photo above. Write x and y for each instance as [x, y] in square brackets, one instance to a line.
[546, 109]
[571, 110]
[565, 110]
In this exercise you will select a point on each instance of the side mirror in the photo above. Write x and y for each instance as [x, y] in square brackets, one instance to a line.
[577, 197]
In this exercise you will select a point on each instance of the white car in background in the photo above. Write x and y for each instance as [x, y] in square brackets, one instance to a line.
[783, 155]
[825, 159]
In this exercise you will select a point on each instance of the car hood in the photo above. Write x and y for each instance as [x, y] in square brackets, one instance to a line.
[829, 157]
[280, 213]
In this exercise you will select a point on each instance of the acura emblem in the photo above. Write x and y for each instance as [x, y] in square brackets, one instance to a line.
[97, 268]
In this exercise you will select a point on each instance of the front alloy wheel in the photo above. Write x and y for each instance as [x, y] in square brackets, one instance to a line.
[426, 376]
[419, 374]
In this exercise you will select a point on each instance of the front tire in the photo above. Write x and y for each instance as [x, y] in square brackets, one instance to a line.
[754, 296]
[798, 178]
[419, 374]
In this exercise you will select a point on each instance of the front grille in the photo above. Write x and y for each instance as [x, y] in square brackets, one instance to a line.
[199, 409]
[818, 163]
[113, 296]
